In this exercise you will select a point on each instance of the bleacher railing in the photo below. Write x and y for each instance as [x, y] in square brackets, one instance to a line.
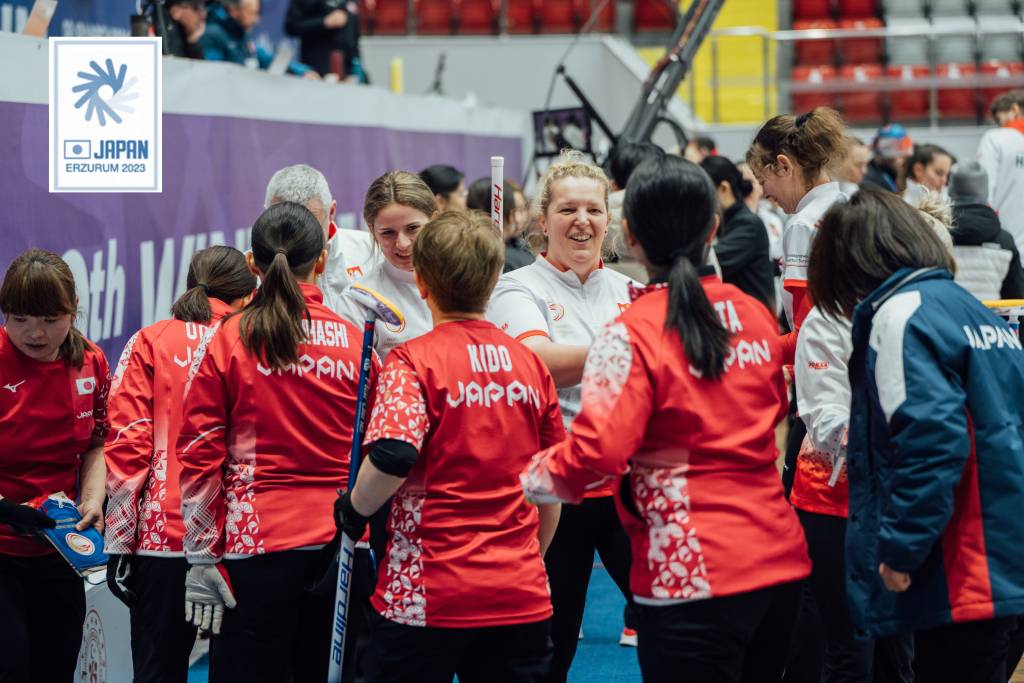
[781, 45]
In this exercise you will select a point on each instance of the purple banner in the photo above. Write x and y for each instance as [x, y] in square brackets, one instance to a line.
[130, 252]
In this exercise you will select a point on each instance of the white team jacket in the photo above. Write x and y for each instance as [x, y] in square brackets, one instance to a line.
[399, 288]
[1001, 153]
[822, 382]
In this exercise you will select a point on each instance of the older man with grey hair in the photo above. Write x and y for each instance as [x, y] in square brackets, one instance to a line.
[350, 253]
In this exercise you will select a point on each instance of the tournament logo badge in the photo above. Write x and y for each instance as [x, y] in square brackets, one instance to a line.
[105, 115]
[557, 311]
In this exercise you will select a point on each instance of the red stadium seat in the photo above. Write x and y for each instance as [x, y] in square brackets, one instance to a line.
[857, 9]
[653, 15]
[385, 17]
[804, 10]
[860, 50]
[477, 16]
[813, 75]
[559, 16]
[959, 103]
[520, 16]
[434, 17]
[814, 52]
[861, 105]
[994, 67]
[910, 102]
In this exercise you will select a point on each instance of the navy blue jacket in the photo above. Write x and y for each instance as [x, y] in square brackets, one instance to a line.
[935, 458]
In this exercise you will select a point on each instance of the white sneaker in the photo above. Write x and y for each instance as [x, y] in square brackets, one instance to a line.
[628, 637]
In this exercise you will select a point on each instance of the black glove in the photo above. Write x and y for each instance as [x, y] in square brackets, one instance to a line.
[24, 519]
[348, 521]
[120, 579]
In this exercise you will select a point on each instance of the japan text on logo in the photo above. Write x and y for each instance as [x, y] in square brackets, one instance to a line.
[105, 115]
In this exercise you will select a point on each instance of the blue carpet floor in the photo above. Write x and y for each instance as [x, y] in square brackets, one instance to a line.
[599, 657]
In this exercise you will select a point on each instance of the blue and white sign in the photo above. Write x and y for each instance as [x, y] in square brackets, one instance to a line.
[105, 115]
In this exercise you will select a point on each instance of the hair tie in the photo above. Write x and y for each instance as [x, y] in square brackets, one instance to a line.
[205, 287]
[802, 119]
[282, 250]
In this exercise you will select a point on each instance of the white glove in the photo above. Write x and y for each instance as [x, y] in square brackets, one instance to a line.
[207, 592]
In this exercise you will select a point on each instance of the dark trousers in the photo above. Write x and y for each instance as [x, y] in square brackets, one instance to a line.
[42, 610]
[1015, 649]
[969, 652]
[720, 640]
[424, 654]
[582, 529]
[161, 638]
[844, 658]
[281, 629]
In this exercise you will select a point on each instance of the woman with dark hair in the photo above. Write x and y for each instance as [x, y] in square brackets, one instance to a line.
[742, 244]
[448, 185]
[144, 529]
[927, 171]
[264, 444]
[718, 553]
[53, 422]
[935, 446]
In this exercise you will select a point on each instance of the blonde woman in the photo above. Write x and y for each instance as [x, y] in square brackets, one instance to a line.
[556, 306]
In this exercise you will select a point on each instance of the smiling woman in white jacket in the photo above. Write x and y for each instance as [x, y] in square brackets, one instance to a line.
[397, 205]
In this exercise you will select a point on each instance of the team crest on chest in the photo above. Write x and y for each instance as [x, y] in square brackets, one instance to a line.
[557, 311]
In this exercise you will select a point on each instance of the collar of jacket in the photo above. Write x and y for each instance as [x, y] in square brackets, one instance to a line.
[866, 309]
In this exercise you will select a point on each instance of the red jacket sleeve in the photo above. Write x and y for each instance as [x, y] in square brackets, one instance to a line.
[202, 450]
[802, 305]
[616, 390]
[129, 449]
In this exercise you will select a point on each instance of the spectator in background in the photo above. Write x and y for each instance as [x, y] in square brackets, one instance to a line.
[328, 33]
[698, 148]
[891, 148]
[625, 157]
[927, 171]
[1001, 154]
[850, 173]
[448, 185]
[186, 26]
[1006, 107]
[742, 244]
[228, 37]
[479, 199]
[987, 260]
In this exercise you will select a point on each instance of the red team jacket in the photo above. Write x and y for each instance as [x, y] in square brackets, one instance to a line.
[50, 413]
[698, 456]
[143, 494]
[463, 550]
[263, 451]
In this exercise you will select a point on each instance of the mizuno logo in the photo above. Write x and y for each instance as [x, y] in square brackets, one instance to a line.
[13, 388]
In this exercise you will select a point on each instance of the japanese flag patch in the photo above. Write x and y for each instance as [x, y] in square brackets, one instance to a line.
[85, 385]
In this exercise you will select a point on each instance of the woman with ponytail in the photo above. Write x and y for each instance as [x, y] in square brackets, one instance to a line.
[264, 444]
[144, 528]
[742, 245]
[53, 421]
[556, 306]
[790, 157]
[681, 395]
